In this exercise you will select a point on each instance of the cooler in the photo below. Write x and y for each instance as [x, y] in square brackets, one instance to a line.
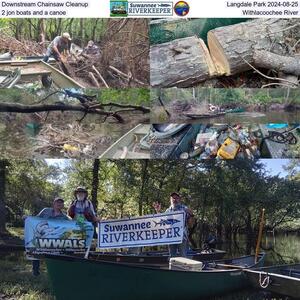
[185, 264]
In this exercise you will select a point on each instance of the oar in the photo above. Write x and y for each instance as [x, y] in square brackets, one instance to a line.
[231, 266]
[261, 226]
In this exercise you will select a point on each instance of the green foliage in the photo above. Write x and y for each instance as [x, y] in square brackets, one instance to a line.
[226, 196]
[229, 96]
[135, 96]
[81, 30]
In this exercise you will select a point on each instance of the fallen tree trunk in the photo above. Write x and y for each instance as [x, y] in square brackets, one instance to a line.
[21, 108]
[182, 63]
[268, 60]
[232, 46]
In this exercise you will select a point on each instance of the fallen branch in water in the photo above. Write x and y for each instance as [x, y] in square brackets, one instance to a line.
[21, 108]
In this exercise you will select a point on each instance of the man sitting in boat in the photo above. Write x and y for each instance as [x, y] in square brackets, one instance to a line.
[54, 212]
[60, 45]
[176, 205]
[82, 208]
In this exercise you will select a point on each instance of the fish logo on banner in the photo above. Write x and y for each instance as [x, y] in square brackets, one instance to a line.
[160, 229]
[56, 236]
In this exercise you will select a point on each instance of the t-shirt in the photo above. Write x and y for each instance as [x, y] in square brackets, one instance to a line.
[60, 43]
[48, 213]
[181, 207]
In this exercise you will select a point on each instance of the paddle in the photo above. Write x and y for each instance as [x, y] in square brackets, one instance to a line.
[261, 226]
[231, 266]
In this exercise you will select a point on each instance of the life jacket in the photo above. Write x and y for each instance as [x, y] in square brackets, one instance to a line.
[87, 211]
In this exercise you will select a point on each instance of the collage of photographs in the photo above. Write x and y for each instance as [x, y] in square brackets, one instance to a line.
[149, 158]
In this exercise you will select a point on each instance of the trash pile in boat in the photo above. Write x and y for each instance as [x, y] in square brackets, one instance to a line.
[226, 142]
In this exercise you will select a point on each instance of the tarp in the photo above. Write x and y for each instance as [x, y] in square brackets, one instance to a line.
[56, 236]
[166, 30]
[159, 229]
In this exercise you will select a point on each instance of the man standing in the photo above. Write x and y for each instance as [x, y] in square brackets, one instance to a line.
[176, 205]
[61, 44]
[81, 207]
[54, 212]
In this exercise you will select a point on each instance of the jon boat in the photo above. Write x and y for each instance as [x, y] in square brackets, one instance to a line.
[204, 116]
[182, 143]
[79, 278]
[130, 145]
[158, 258]
[281, 280]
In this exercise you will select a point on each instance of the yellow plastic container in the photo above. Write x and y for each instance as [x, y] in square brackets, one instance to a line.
[229, 149]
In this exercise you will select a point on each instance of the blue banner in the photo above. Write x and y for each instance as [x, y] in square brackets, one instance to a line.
[56, 236]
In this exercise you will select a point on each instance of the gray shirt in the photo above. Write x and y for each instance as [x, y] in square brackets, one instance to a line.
[48, 213]
[60, 43]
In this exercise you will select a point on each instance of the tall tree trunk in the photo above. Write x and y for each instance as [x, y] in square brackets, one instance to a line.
[42, 30]
[3, 165]
[82, 32]
[144, 180]
[249, 233]
[95, 183]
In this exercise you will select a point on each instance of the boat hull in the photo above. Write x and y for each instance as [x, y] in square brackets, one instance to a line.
[155, 259]
[276, 280]
[75, 278]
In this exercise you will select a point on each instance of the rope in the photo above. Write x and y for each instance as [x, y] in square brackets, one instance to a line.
[264, 283]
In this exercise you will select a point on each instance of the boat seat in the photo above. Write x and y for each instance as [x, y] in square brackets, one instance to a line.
[131, 155]
[291, 272]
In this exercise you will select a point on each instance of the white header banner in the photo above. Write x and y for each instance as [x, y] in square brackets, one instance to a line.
[149, 9]
[160, 229]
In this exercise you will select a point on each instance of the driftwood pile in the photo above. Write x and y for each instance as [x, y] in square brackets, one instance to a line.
[72, 140]
[261, 44]
[19, 48]
[123, 60]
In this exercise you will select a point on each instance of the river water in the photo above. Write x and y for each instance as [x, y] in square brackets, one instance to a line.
[283, 249]
[42, 135]
[159, 116]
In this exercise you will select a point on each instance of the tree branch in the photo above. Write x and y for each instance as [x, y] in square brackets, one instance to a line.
[21, 108]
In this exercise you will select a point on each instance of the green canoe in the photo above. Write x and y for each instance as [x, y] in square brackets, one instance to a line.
[79, 278]
[235, 110]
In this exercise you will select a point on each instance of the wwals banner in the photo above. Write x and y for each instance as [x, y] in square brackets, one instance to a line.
[56, 236]
[160, 229]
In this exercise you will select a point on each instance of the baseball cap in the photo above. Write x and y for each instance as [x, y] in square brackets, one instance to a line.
[66, 35]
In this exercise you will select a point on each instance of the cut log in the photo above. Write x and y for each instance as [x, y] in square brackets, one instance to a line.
[231, 45]
[182, 63]
[268, 60]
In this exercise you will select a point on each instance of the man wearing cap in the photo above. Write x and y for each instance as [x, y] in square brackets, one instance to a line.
[54, 212]
[176, 205]
[59, 45]
[81, 207]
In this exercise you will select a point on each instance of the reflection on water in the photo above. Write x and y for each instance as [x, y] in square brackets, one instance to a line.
[283, 249]
[158, 116]
[21, 134]
[43, 134]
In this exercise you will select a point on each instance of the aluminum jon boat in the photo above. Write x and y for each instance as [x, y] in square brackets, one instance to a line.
[281, 280]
